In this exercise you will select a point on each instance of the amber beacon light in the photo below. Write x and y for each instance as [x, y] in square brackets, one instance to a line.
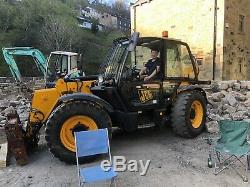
[165, 34]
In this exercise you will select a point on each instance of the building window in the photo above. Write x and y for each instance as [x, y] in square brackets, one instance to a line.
[241, 23]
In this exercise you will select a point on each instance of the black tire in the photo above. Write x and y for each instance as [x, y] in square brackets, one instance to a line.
[181, 114]
[64, 112]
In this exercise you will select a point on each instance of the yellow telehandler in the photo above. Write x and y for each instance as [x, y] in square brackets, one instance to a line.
[119, 97]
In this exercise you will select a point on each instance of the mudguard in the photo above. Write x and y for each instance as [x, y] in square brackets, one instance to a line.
[193, 88]
[87, 97]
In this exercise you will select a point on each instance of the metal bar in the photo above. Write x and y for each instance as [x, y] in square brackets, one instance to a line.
[77, 162]
[215, 37]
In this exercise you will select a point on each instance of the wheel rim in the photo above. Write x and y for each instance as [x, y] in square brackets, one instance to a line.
[75, 124]
[196, 114]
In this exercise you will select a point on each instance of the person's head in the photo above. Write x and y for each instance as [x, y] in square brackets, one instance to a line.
[154, 53]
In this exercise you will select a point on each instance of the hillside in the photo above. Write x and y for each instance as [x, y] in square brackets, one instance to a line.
[49, 26]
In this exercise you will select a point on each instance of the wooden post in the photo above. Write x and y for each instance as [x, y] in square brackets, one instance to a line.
[3, 155]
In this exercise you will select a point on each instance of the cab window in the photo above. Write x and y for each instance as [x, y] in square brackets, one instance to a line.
[73, 62]
[178, 62]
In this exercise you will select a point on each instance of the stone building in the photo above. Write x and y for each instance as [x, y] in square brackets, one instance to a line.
[106, 19]
[218, 31]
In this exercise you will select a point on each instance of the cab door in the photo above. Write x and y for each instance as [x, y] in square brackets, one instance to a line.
[137, 94]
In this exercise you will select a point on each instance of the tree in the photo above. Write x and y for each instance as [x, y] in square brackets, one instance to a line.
[7, 13]
[58, 33]
[120, 8]
[94, 26]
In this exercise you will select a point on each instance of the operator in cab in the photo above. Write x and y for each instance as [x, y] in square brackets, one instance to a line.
[152, 68]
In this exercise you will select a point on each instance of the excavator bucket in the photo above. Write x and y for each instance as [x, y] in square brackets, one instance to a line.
[15, 136]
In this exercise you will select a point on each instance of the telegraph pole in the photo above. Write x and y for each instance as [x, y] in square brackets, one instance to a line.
[215, 36]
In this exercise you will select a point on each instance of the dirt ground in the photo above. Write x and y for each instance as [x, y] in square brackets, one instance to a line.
[174, 162]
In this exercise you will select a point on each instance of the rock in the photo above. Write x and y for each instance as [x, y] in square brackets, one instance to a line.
[237, 86]
[9, 110]
[239, 97]
[227, 117]
[3, 122]
[231, 100]
[248, 95]
[243, 85]
[4, 103]
[241, 108]
[215, 117]
[247, 103]
[215, 87]
[230, 109]
[223, 85]
[248, 85]
[216, 97]
[24, 116]
[231, 83]
[2, 117]
[212, 127]
[238, 115]
[19, 97]
[15, 103]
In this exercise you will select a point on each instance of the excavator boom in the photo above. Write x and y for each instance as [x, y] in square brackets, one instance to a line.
[37, 55]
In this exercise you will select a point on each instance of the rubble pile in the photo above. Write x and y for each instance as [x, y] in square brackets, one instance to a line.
[228, 100]
[19, 103]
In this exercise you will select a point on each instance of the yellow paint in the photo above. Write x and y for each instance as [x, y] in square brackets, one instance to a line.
[66, 133]
[45, 100]
[198, 114]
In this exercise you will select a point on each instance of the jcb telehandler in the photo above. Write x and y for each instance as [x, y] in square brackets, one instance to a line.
[119, 97]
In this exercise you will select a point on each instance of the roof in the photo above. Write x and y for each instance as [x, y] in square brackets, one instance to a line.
[162, 38]
[64, 53]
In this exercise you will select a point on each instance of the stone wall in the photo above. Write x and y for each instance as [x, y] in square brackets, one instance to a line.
[228, 100]
[236, 42]
[9, 87]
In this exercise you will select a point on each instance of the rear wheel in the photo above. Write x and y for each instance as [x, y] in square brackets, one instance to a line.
[189, 114]
[69, 118]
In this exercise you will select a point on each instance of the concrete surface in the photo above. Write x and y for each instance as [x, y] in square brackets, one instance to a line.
[174, 162]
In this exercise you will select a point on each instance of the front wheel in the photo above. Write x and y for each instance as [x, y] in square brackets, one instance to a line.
[73, 117]
[188, 115]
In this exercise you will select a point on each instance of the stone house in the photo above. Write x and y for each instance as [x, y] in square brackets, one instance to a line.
[105, 19]
[218, 32]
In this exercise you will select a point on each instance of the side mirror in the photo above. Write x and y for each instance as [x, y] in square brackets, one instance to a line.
[196, 65]
[133, 41]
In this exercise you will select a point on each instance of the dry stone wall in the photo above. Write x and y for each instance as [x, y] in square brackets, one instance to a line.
[228, 100]
[17, 96]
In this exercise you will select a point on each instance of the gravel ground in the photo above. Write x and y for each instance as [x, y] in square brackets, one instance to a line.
[174, 162]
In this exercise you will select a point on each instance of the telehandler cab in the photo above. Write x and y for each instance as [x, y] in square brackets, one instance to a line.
[117, 97]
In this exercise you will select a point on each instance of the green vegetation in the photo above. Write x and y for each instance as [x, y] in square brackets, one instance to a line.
[48, 26]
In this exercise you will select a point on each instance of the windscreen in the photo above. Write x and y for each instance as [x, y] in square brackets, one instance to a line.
[57, 63]
[114, 59]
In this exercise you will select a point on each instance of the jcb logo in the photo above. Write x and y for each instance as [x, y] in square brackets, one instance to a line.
[145, 95]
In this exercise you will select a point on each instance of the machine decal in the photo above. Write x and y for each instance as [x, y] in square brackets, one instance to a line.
[145, 95]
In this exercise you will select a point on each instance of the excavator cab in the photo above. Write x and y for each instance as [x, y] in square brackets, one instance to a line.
[60, 64]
